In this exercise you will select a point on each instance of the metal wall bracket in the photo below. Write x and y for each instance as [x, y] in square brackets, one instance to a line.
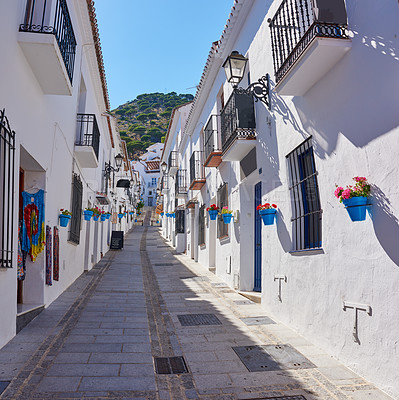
[357, 307]
[279, 278]
[260, 90]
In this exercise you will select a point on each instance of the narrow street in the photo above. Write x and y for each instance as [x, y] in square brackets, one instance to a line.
[103, 337]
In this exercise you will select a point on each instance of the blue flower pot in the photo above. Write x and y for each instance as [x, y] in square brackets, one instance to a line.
[96, 217]
[268, 216]
[157, 222]
[87, 215]
[120, 216]
[162, 214]
[64, 219]
[103, 217]
[173, 215]
[227, 218]
[213, 214]
[356, 207]
[107, 216]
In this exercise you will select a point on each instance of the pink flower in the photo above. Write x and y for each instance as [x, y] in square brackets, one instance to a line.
[338, 191]
[346, 194]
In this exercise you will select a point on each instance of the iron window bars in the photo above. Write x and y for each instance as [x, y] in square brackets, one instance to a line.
[201, 225]
[222, 201]
[172, 161]
[43, 16]
[294, 26]
[77, 195]
[211, 144]
[238, 118]
[197, 171]
[7, 181]
[165, 182]
[181, 182]
[88, 133]
[179, 221]
[305, 197]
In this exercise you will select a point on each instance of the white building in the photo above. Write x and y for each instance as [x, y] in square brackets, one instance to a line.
[148, 168]
[58, 148]
[332, 115]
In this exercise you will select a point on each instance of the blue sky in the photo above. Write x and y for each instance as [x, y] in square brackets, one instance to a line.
[158, 45]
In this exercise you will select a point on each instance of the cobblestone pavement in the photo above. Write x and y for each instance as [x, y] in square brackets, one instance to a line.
[99, 339]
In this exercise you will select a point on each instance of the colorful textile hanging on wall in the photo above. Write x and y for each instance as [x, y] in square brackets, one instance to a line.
[49, 251]
[33, 235]
[21, 271]
[56, 255]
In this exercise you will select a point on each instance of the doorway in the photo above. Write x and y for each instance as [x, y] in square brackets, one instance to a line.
[257, 240]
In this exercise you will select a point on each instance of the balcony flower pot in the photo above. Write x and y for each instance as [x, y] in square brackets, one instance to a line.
[268, 216]
[64, 219]
[135, 220]
[107, 216]
[120, 216]
[173, 215]
[213, 214]
[227, 218]
[87, 214]
[356, 207]
[96, 217]
[103, 217]
[162, 214]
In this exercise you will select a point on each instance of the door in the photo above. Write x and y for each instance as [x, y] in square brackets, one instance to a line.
[258, 240]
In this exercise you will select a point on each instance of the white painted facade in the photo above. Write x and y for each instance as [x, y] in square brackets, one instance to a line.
[45, 128]
[351, 113]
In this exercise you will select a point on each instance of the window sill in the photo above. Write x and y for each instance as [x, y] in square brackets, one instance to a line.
[224, 239]
[202, 246]
[307, 252]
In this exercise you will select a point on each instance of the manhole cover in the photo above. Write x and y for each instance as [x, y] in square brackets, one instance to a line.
[257, 321]
[3, 386]
[243, 302]
[170, 365]
[198, 319]
[272, 358]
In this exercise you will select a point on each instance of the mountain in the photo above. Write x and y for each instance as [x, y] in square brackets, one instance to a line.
[144, 120]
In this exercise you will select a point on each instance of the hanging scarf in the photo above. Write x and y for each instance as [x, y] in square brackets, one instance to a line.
[56, 255]
[48, 256]
[33, 235]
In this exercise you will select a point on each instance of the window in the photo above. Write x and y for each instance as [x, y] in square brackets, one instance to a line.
[7, 155]
[77, 194]
[306, 210]
[179, 221]
[154, 181]
[201, 225]
[223, 201]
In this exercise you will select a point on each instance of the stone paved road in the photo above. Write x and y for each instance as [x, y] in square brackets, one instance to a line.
[99, 339]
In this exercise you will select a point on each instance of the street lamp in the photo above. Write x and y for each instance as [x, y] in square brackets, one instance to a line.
[109, 168]
[234, 68]
[163, 167]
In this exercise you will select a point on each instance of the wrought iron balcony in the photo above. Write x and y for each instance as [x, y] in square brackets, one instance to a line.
[181, 183]
[165, 183]
[172, 163]
[197, 172]
[212, 148]
[51, 52]
[87, 140]
[238, 125]
[308, 39]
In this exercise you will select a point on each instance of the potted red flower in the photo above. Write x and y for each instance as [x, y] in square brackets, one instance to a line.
[213, 211]
[64, 217]
[267, 212]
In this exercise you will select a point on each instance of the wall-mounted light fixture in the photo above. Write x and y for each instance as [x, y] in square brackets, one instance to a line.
[234, 67]
[163, 167]
[109, 168]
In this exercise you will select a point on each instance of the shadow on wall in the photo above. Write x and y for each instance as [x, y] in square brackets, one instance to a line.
[386, 224]
[367, 76]
[282, 232]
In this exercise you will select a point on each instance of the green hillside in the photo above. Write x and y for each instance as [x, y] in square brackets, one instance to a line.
[144, 120]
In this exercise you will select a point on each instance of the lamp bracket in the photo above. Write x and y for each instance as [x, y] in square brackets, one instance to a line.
[260, 90]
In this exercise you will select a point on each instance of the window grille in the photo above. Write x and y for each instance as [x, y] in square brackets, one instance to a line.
[201, 225]
[172, 161]
[7, 180]
[88, 133]
[305, 198]
[211, 137]
[223, 201]
[77, 194]
[179, 221]
[181, 182]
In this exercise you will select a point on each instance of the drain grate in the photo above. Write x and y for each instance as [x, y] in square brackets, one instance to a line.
[257, 321]
[170, 365]
[198, 319]
[3, 386]
[272, 358]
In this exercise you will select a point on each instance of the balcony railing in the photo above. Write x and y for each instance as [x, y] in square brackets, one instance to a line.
[181, 183]
[297, 23]
[88, 133]
[165, 183]
[197, 173]
[212, 150]
[49, 17]
[237, 119]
